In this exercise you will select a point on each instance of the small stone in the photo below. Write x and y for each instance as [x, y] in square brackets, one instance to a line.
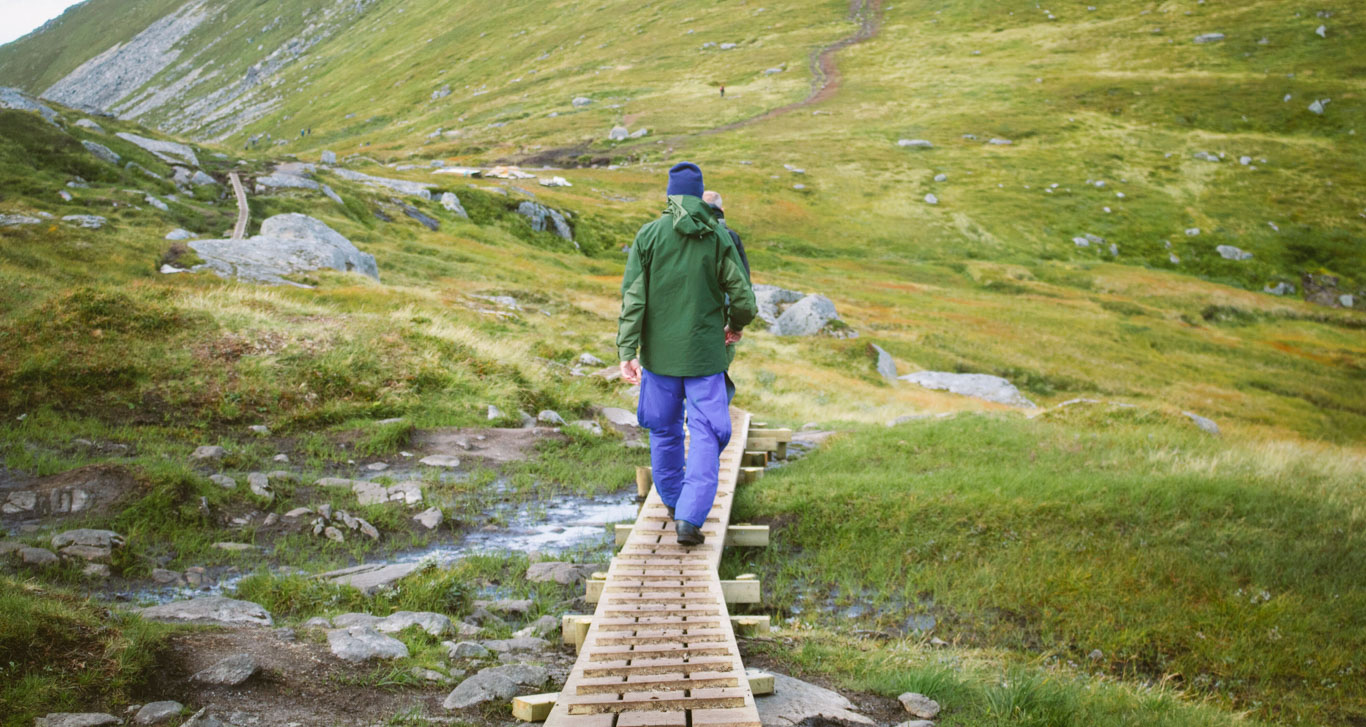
[931, 199]
[260, 485]
[37, 556]
[440, 460]
[209, 453]
[334, 534]
[1321, 31]
[1192, 232]
[260, 429]
[362, 643]
[234, 547]
[317, 622]
[165, 577]
[1229, 252]
[1207, 425]
[1209, 38]
[157, 712]
[229, 672]
[919, 705]
[377, 466]
[430, 518]
[941, 177]
[915, 144]
[467, 650]
[495, 413]
[223, 481]
[549, 416]
[1096, 655]
[299, 512]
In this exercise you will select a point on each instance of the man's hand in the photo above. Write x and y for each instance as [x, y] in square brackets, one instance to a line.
[733, 336]
[630, 371]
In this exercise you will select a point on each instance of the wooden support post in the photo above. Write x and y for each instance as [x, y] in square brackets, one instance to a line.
[760, 682]
[736, 591]
[645, 479]
[536, 707]
[747, 626]
[755, 458]
[740, 536]
[750, 474]
[573, 628]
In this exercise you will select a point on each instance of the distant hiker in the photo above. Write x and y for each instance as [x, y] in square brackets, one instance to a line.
[723, 90]
[672, 337]
[714, 201]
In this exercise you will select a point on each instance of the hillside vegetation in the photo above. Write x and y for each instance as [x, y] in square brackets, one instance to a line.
[1217, 577]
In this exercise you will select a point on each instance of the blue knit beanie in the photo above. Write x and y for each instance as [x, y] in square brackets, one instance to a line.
[685, 178]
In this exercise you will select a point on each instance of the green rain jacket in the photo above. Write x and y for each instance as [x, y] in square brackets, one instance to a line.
[673, 295]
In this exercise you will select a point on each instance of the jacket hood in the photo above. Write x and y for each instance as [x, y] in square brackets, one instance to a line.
[690, 215]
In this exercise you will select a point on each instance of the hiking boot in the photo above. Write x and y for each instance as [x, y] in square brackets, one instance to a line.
[689, 534]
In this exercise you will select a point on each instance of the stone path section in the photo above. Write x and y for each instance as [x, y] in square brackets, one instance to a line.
[661, 651]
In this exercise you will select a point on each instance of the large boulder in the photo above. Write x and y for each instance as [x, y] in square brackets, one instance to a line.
[795, 702]
[228, 672]
[497, 682]
[218, 610]
[539, 214]
[362, 643]
[101, 151]
[288, 244]
[565, 574]
[371, 577]
[402, 186]
[806, 317]
[772, 301]
[452, 204]
[433, 623]
[886, 365]
[980, 386]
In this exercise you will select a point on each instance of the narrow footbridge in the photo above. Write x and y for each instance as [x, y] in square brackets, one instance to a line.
[660, 649]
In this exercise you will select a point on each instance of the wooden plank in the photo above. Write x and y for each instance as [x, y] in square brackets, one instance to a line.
[534, 707]
[239, 230]
[782, 435]
[741, 591]
[757, 458]
[755, 536]
[645, 479]
[750, 474]
[760, 682]
[737, 591]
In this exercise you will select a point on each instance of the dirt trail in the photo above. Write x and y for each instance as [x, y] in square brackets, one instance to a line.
[825, 75]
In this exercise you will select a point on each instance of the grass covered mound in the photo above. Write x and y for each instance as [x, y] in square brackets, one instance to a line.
[61, 652]
[1110, 540]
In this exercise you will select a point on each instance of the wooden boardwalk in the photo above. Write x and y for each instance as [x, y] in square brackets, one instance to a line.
[661, 651]
[239, 230]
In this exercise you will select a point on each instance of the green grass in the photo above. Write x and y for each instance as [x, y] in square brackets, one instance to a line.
[61, 652]
[1231, 572]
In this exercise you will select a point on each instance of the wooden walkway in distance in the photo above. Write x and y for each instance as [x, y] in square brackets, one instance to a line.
[239, 230]
[661, 650]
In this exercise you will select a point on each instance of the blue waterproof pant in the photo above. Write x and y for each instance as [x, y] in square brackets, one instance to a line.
[689, 489]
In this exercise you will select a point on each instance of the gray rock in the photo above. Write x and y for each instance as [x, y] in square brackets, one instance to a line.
[200, 179]
[588, 359]
[772, 301]
[373, 493]
[915, 143]
[333, 534]
[565, 574]
[13, 98]
[467, 650]
[371, 577]
[1229, 252]
[202, 718]
[332, 195]
[347, 620]
[424, 219]
[260, 485]
[88, 537]
[1209, 38]
[619, 133]
[362, 643]
[431, 518]
[795, 702]
[441, 93]
[218, 610]
[1207, 425]
[587, 425]
[149, 199]
[1318, 106]
[919, 705]
[549, 416]
[223, 481]
[886, 365]
[12, 220]
[229, 672]
[433, 623]
[208, 452]
[1205, 156]
[1000, 142]
[288, 244]
[581, 101]
[402, 186]
[541, 627]
[1192, 232]
[539, 214]
[166, 577]
[806, 317]
[1280, 289]
[284, 180]
[917, 723]
[101, 151]
[640, 133]
[516, 644]
[452, 204]
[440, 460]
[329, 157]
[74, 719]
[318, 622]
[1321, 31]
[90, 125]
[167, 151]
[493, 683]
[728, 46]
[931, 199]
[179, 234]
[158, 712]
[941, 177]
[37, 556]
[620, 417]
[90, 222]
[980, 386]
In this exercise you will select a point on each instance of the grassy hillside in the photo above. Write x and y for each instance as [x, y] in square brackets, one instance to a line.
[1030, 541]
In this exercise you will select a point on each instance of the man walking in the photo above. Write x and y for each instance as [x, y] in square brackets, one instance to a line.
[717, 206]
[685, 298]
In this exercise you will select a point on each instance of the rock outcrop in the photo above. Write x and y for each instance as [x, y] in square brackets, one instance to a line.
[288, 244]
[539, 215]
[795, 702]
[218, 610]
[167, 151]
[979, 386]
